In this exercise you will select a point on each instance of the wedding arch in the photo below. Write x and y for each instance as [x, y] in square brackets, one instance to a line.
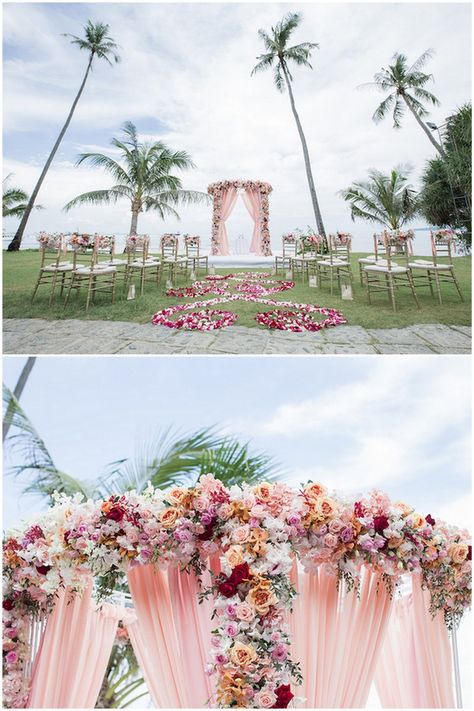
[244, 596]
[255, 196]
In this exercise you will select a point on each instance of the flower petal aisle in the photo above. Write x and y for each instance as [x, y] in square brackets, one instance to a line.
[243, 553]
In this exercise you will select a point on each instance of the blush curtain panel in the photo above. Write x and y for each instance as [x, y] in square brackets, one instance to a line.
[171, 636]
[415, 667]
[74, 652]
[252, 200]
[228, 201]
[337, 637]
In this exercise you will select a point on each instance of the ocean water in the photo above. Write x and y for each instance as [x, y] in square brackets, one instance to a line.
[240, 245]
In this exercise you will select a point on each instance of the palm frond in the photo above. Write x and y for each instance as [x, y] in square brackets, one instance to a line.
[98, 197]
[37, 463]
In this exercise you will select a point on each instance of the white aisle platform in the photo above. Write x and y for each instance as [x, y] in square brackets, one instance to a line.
[251, 261]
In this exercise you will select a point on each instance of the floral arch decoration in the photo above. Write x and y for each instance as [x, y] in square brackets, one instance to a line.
[255, 196]
[240, 550]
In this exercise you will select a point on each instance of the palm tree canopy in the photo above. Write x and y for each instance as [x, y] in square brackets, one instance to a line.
[97, 41]
[404, 83]
[143, 174]
[14, 200]
[278, 55]
[386, 199]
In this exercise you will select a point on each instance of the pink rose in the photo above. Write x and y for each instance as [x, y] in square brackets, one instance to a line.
[279, 652]
[245, 612]
[330, 540]
[264, 699]
[241, 534]
[231, 629]
[11, 657]
[335, 525]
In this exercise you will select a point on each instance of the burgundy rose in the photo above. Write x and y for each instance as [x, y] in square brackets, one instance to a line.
[429, 519]
[67, 535]
[227, 589]
[358, 509]
[43, 569]
[380, 524]
[239, 574]
[7, 604]
[207, 534]
[116, 513]
[284, 696]
[469, 553]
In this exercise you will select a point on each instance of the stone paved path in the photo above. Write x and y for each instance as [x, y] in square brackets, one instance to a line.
[25, 336]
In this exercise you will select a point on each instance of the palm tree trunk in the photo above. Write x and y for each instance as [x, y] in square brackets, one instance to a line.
[24, 375]
[16, 241]
[425, 128]
[134, 223]
[309, 174]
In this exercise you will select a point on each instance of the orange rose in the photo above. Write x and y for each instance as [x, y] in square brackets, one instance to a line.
[262, 599]
[240, 511]
[234, 556]
[256, 543]
[416, 520]
[394, 542]
[458, 552]
[263, 492]
[404, 508]
[314, 491]
[242, 655]
[106, 506]
[178, 496]
[168, 517]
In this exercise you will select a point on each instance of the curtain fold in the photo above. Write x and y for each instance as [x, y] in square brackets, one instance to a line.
[228, 201]
[74, 652]
[415, 667]
[337, 637]
[252, 200]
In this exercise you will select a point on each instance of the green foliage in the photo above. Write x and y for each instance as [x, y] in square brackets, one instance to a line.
[143, 175]
[14, 200]
[97, 42]
[406, 85]
[278, 55]
[123, 683]
[388, 200]
[445, 198]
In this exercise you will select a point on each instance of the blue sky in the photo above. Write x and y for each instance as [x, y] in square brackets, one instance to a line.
[401, 424]
[185, 79]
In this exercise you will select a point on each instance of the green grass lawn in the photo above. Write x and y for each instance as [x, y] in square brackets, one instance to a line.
[20, 271]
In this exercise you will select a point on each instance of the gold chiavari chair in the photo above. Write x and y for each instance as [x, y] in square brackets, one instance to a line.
[426, 272]
[54, 268]
[170, 259]
[377, 258]
[106, 254]
[96, 277]
[283, 260]
[335, 266]
[192, 246]
[140, 262]
[391, 276]
[307, 254]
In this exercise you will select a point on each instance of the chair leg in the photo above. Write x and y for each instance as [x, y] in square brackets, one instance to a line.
[71, 284]
[438, 287]
[367, 281]
[113, 288]
[361, 275]
[391, 291]
[36, 288]
[89, 292]
[457, 286]
[430, 282]
[412, 286]
[142, 281]
[53, 288]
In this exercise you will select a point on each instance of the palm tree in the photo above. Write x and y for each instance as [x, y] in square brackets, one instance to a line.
[144, 176]
[386, 199]
[99, 44]
[19, 387]
[14, 200]
[406, 86]
[278, 56]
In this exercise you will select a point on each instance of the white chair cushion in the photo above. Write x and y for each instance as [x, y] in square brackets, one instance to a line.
[368, 260]
[116, 262]
[97, 271]
[420, 264]
[61, 268]
[394, 270]
[335, 263]
[140, 265]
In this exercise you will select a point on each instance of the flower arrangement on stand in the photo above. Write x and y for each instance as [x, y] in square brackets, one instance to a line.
[257, 531]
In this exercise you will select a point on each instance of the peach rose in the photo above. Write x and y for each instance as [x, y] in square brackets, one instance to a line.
[242, 655]
[177, 496]
[240, 511]
[263, 492]
[403, 508]
[262, 599]
[326, 507]
[264, 700]
[168, 517]
[314, 491]
[458, 552]
[394, 542]
[234, 556]
[416, 520]
[241, 533]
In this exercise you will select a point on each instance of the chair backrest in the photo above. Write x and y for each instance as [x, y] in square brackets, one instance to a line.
[397, 246]
[192, 245]
[380, 248]
[340, 244]
[137, 247]
[169, 246]
[52, 248]
[105, 244]
[443, 243]
[289, 243]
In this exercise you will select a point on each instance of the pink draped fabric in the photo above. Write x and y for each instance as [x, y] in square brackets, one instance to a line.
[171, 636]
[74, 653]
[252, 200]
[337, 637]
[415, 667]
[228, 201]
